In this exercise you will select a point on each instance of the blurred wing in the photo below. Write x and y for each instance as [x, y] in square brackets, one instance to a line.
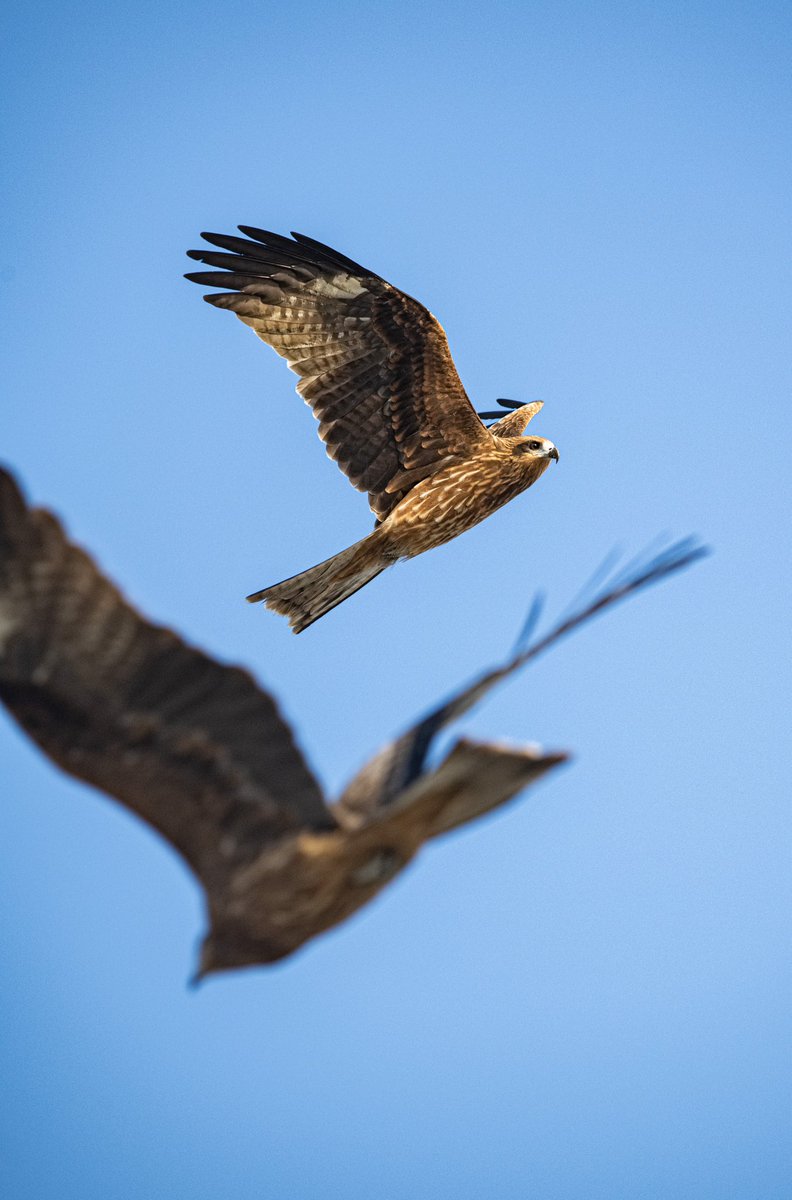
[473, 780]
[401, 763]
[483, 776]
[193, 747]
[374, 364]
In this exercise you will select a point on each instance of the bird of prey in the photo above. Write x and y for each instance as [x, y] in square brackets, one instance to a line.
[199, 751]
[375, 367]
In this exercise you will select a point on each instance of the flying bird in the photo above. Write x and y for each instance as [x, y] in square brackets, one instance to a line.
[201, 752]
[375, 367]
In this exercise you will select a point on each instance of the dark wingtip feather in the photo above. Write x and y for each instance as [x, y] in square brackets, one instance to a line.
[273, 241]
[236, 245]
[260, 235]
[224, 279]
[274, 248]
[334, 256]
[198, 276]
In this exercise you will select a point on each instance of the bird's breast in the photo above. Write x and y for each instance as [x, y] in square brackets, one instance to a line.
[455, 499]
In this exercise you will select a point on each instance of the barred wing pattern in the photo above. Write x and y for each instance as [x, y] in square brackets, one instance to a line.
[374, 364]
[194, 747]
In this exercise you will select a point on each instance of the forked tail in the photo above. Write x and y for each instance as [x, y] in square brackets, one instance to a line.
[308, 596]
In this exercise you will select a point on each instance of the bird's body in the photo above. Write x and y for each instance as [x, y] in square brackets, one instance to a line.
[376, 369]
[435, 511]
[462, 495]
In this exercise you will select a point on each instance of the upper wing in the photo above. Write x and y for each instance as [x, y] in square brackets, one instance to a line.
[391, 777]
[374, 363]
[473, 779]
[195, 748]
[514, 423]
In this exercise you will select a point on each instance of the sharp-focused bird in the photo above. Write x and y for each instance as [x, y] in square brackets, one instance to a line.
[199, 751]
[375, 367]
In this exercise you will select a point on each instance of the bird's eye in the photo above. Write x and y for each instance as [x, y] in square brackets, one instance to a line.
[534, 445]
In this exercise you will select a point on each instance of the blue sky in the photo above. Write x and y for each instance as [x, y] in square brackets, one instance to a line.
[586, 996]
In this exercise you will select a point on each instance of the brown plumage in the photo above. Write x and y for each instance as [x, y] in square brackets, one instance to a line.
[199, 751]
[375, 367]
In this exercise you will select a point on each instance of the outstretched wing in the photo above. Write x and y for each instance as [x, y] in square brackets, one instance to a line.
[374, 364]
[397, 776]
[193, 747]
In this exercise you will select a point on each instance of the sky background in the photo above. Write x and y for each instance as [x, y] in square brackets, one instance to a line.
[586, 996]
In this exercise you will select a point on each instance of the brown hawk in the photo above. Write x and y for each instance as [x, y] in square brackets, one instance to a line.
[199, 751]
[375, 367]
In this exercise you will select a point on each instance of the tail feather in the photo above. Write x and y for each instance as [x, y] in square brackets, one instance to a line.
[306, 597]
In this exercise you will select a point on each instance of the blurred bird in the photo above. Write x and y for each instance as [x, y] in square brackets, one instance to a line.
[375, 367]
[199, 751]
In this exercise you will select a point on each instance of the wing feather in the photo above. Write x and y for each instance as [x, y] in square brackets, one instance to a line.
[192, 746]
[363, 350]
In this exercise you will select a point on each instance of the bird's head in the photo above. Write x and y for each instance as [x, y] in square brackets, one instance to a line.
[535, 447]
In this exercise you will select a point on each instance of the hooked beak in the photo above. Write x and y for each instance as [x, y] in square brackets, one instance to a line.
[553, 454]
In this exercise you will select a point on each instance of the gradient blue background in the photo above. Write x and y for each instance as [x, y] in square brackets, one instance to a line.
[587, 996]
